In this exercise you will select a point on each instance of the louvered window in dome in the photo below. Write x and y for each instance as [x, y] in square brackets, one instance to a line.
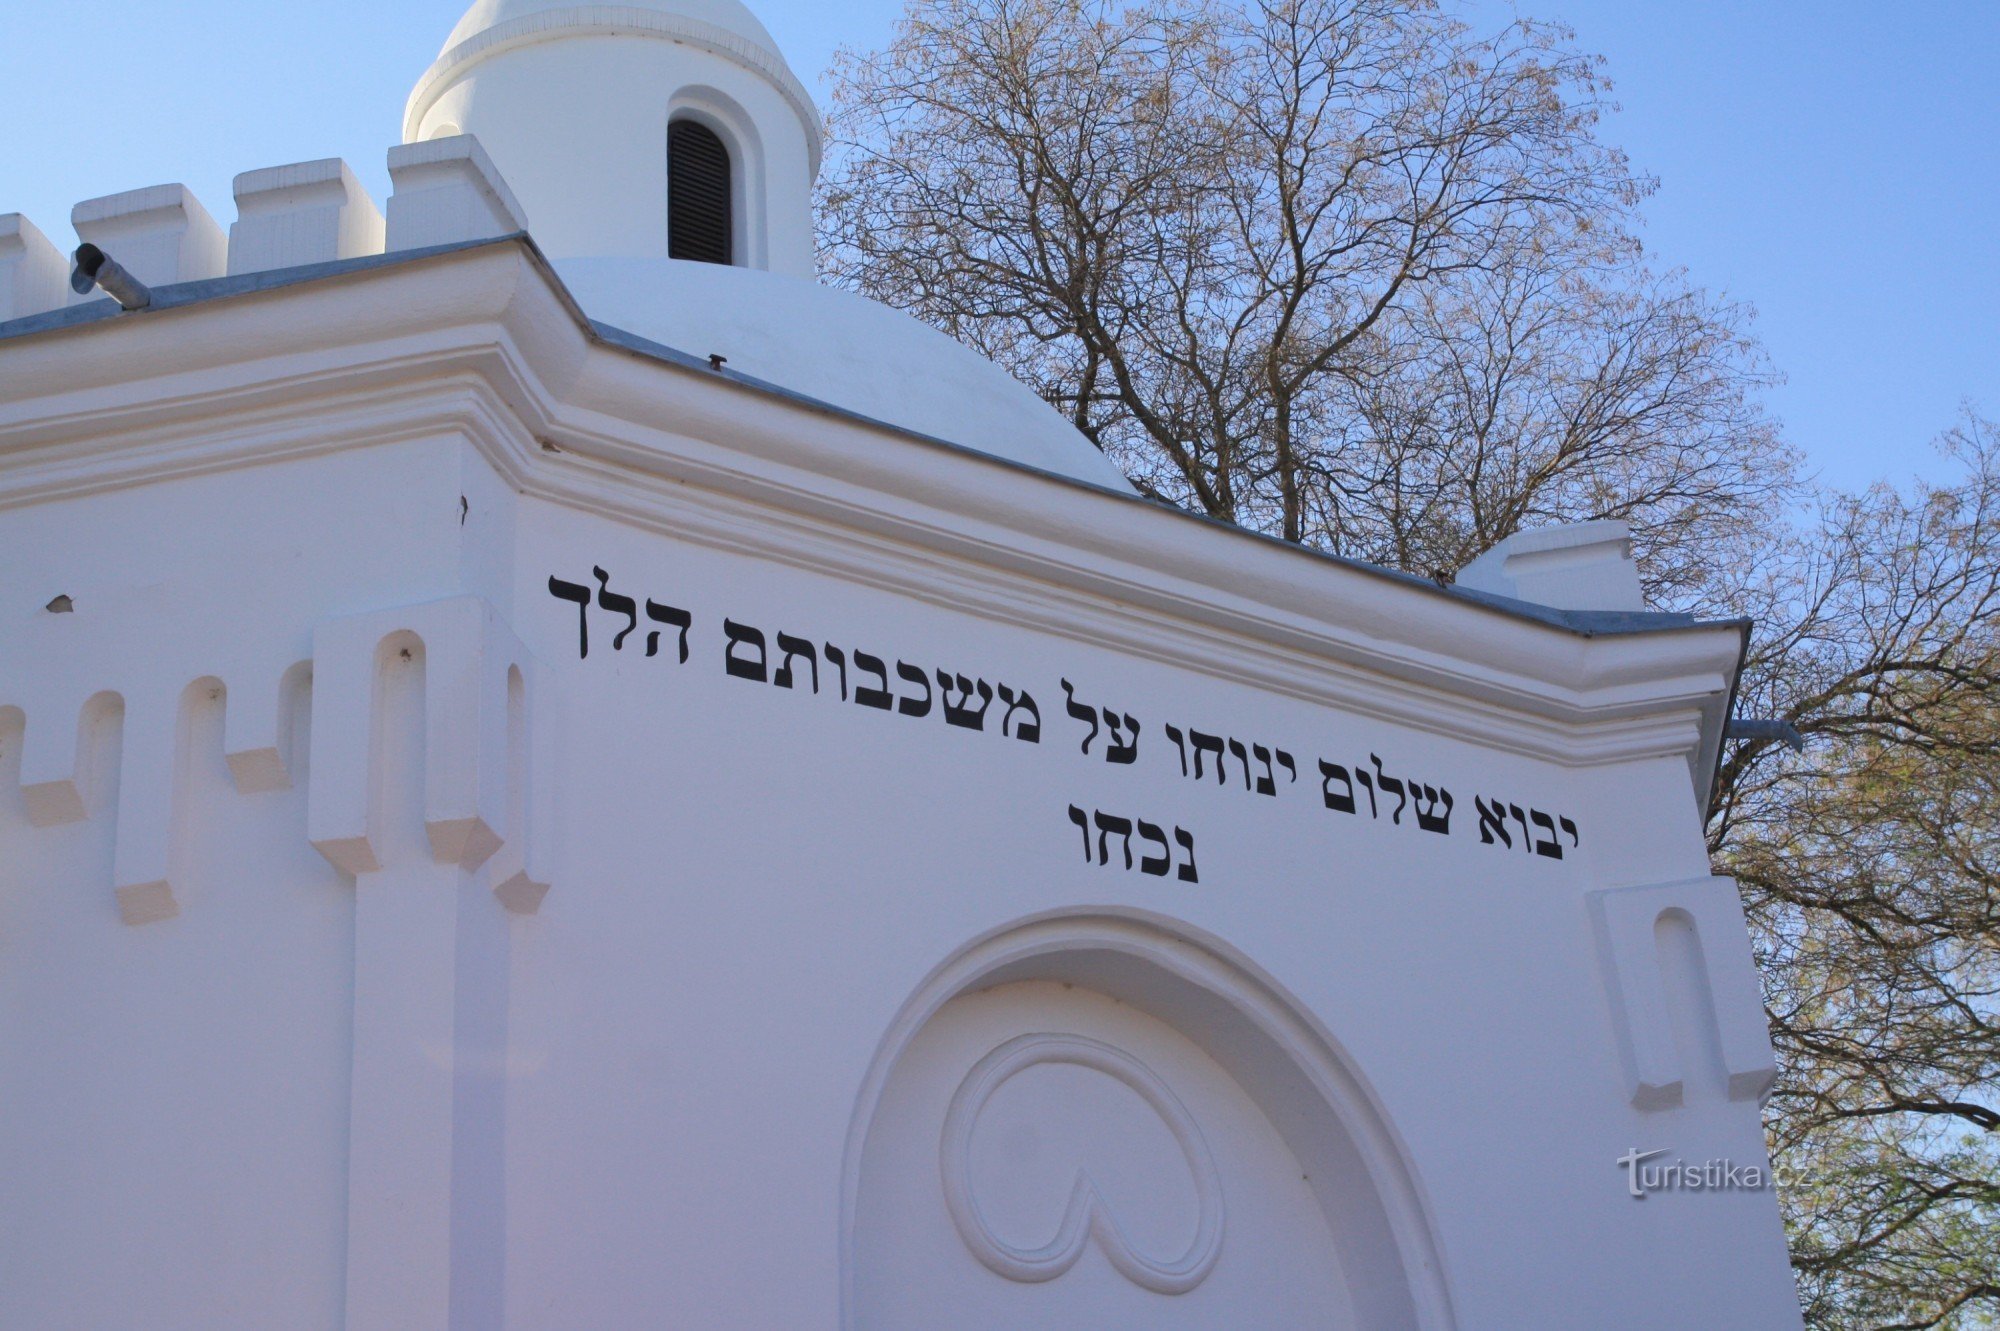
[699, 223]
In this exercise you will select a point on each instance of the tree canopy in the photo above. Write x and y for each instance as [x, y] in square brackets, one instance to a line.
[1353, 274]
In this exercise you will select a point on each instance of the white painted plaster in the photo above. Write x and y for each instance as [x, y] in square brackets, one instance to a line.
[502, 830]
[1575, 566]
[161, 234]
[573, 102]
[32, 270]
[305, 212]
[447, 191]
[841, 348]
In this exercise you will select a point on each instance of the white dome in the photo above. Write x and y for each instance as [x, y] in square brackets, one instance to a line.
[729, 15]
[840, 348]
[573, 103]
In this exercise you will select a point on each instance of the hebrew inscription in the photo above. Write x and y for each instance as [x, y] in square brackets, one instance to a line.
[1103, 727]
[1150, 835]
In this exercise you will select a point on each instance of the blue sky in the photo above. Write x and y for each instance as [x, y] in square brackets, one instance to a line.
[1835, 164]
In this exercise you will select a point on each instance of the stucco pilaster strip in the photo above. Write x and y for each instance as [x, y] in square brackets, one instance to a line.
[616, 21]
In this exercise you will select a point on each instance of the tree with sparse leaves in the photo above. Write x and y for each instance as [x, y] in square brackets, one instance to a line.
[1350, 273]
[1870, 868]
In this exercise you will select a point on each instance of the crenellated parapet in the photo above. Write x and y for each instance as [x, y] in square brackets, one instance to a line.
[65, 777]
[481, 805]
[31, 269]
[446, 191]
[477, 801]
[307, 212]
[161, 234]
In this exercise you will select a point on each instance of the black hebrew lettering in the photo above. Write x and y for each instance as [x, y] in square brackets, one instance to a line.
[878, 697]
[1029, 731]
[1386, 784]
[1153, 835]
[571, 591]
[1107, 824]
[1259, 775]
[1266, 784]
[617, 604]
[910, 706]
[1431, 804]
[965, 702]
[742, 635]
[1125, 749]
[1428, 817]
[1186, 838]
[1242, 756]
[795, 647]
[1087, 715]
[962, 713]
[1343, 802]
[671, 615]
[1493, 818]
[1550, 848]
[838, 659]
[1213, 744]
[1156, 865]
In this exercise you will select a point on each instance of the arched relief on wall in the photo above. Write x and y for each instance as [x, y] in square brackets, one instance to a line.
[1304, 1085]
[74, 756]
[1676, 956]
[482, 798]
[1088, 1215]
[125, 752]
[737, 128]
[152, 814]
[266, 743]
[64, 769]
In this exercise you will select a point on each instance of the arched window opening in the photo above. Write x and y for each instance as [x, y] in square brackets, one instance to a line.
[699, 219]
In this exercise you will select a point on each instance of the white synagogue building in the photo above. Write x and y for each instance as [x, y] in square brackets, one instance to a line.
[558, 775]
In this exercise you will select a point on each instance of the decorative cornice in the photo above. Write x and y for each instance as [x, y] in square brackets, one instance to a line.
[484, 344]
[617, 21]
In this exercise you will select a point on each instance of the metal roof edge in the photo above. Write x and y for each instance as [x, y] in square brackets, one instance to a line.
[183, 295]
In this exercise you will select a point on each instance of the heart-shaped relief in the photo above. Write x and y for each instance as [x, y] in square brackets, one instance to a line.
[1086, 1214]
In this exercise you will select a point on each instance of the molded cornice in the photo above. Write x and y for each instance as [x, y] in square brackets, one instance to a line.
[483, 343]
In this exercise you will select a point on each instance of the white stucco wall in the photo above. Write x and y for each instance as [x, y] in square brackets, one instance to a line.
[351, 1089]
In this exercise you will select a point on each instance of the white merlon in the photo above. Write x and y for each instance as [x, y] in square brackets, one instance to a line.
[305, 212]
[31, 269]
[448, 190]
[1577, 566]
[148, 768]
[474, 744]
[160, 234]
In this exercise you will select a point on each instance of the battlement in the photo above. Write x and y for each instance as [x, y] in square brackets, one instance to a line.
[111, 739]
[446, 190]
